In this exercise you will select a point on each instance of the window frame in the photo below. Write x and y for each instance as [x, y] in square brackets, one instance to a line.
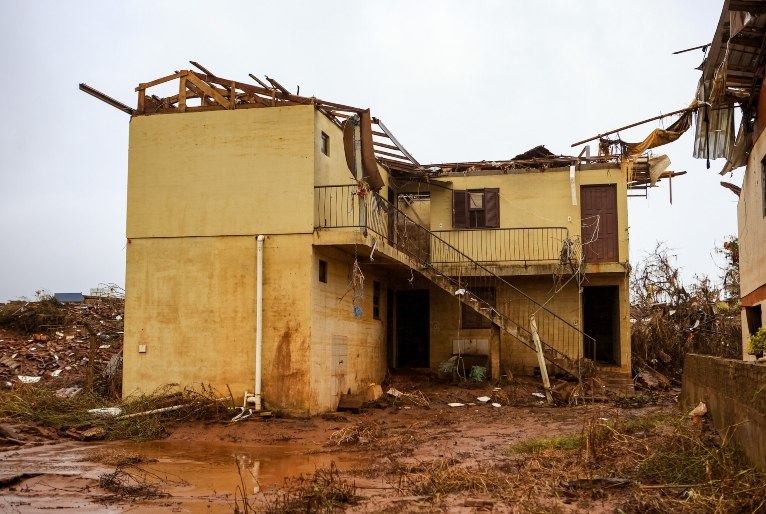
[324, 143]
[464, 216]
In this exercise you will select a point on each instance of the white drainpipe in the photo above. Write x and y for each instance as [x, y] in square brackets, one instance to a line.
[259, 322]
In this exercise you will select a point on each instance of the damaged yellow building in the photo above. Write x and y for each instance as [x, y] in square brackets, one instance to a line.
[291, 248]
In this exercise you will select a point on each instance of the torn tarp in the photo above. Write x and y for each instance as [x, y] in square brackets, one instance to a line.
[739, 153]
[659, 137]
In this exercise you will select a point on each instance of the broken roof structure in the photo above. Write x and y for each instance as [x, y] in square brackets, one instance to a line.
[201, 90]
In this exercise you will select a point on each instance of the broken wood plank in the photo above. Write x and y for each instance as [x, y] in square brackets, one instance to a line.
[207, 89]
[168, 78]
[85, 88]
[277, 85]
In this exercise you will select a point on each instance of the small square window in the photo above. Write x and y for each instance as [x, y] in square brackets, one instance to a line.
[322, 271]
[325, 144]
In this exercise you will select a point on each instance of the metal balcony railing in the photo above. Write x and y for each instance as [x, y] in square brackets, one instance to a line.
[507, 245]
[349, 207]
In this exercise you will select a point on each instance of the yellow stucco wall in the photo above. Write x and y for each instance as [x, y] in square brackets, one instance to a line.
[221, 173]
[191, 301]
[751, 225]
[346, 352]
[201, 187]
[534, 199]
[751, 222]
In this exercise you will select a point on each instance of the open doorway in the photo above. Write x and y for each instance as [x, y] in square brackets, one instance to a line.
[412, 329]
[601, 314]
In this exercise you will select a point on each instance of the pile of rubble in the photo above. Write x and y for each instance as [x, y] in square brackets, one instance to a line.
[59, 344]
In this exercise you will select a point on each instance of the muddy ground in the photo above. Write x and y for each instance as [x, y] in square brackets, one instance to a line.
[396, 455]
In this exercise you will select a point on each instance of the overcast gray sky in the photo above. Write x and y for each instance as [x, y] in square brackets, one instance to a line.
[454, 81]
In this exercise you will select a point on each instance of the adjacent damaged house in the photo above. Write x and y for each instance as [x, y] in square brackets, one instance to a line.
[732, 77]
[291, 248]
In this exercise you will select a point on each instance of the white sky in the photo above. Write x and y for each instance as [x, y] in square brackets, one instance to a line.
[454, 81]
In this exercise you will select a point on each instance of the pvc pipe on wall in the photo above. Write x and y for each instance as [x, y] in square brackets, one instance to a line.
[259, 321]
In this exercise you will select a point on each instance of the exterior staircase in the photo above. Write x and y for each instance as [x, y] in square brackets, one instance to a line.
[562, 343]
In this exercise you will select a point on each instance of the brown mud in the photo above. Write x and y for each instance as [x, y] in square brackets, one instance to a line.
[209, 467]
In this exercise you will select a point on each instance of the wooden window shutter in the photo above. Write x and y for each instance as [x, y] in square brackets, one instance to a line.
[460, 209]
[492, 207]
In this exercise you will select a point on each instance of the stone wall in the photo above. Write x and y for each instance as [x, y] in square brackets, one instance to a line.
[735, 394]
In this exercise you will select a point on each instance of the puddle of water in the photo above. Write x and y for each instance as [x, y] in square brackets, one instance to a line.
[213, 466]
[200, 476]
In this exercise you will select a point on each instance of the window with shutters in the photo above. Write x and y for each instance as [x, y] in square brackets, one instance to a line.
[476, 208]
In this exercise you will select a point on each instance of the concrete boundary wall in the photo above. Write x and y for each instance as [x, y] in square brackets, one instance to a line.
[735, 393]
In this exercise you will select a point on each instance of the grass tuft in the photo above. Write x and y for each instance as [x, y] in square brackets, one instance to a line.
[564, 442]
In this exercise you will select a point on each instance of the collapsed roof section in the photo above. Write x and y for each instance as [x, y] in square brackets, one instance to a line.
[201, 90]
[732, 74]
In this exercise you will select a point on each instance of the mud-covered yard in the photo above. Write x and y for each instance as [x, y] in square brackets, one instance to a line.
[503, 448]
[397, 455]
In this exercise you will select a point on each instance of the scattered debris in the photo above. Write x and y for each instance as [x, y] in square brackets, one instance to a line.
[698, 412]
[106, 411]
[416, 398]
[26, 379]
[125, 482]
[456, 404]
[50, 340]
[362, 433]
[595, 482]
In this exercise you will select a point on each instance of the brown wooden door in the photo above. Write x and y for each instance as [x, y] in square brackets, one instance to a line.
[599, 223]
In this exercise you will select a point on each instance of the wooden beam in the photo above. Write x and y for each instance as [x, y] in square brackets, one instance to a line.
[397, 143]
[141, 103]
[204, 87]
[201, 68]
[162, 80]
[384, 145]
[381, 152]
[751, 6]
[85, 88]
[599, 136]
[259, 81]
[182, 94]
[277, 85]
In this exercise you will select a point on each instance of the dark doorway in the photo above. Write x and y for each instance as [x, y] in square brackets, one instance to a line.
[599, 223]
[601, 316]
[412, 329]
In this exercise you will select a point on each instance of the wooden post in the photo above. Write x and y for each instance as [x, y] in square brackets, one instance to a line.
[540, 358]
[494, 352]
[182, 94]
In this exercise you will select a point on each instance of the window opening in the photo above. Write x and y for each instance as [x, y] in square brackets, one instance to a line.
[325, 145]
[322, 271]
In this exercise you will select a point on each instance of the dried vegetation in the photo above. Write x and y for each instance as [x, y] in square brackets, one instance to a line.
[670, 318]
[71, 417]
[657, 463]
